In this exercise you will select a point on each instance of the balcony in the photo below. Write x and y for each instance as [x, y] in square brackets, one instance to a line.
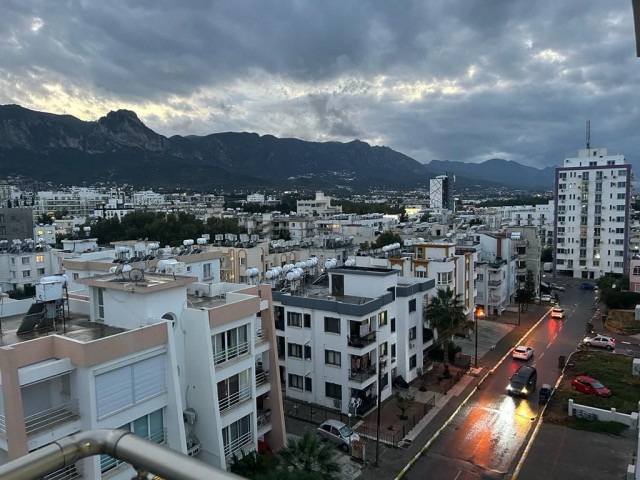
[234, 398]
[109, 463]
[494, 283]
[262, 336]
[231, 353]
[264, 421]
[47, 419]
[262, 377]
[361, 341]
[235, 445]
[362, 374]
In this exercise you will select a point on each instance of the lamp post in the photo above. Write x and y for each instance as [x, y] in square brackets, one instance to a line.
[477, 314]
[350, 434]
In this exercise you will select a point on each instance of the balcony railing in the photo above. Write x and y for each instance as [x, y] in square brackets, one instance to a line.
[494, 283]
[362, 374]
[361, 342]
[262, 377]
[65, 473]
[50, 418]
[262, 336]
[232, 447]
[235, 398]
[143, 455]
[231, 353]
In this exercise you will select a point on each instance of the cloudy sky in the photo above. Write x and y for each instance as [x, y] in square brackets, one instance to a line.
[464, 80]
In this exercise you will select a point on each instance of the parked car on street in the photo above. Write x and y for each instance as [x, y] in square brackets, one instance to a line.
[590, 386]
[555, 286]
[544, 393]
[545, 297]
[338, 433]
[600, 341]
[522, 352]
[587, 286]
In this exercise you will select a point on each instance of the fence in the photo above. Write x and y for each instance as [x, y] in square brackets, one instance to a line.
[593, 413]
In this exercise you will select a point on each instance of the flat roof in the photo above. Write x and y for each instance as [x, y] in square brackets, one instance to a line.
[147, 283]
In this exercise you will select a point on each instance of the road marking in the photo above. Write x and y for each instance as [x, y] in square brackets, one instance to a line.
[541, 355]
[626, 343]
[458, 475]
[548, 345]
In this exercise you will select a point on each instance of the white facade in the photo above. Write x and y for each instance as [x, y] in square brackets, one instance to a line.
[592, 199]
[352, 340]
[189, 372]
[147, 197]
[321, 205]
[255, 198]
[441, 193]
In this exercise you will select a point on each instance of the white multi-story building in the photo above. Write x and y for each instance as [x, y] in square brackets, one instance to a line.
[255, 198]
[114, 207]
[78, 201]
[592, 200]
[352, 338]
[320, 206]
[147, 197]
[196, 373]
[23, 264]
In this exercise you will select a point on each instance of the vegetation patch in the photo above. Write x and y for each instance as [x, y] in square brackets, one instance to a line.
[609, 428]
[623, 322]
[614, 371]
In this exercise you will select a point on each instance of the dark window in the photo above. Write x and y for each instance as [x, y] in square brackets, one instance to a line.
[295, 381]
[412, 333]
[279, 314]
[333, 390]
[337, 285]
[307, 384]
[331, 357]
[307, 352]
[393, 325]
[412, 362]
[384, 381]
[294, 350]
[331, 325]
[294, 319]
[393, 349]
[412, 305]
[382, 318]
[307, 320]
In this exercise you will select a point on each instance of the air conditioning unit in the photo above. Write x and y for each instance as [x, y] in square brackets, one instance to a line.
[189, 416]
[412, 344]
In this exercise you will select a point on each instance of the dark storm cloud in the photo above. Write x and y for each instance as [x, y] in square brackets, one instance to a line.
[450, 79]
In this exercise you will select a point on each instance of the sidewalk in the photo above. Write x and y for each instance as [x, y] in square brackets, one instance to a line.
[430, 409]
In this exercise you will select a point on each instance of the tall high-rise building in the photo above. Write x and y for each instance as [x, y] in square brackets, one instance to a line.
[592, 205]
[441, 192]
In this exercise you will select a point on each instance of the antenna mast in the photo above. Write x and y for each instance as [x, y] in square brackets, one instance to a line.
[588, 134]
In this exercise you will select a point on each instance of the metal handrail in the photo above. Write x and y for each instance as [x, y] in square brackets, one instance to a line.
[62, 413]
[262, 335]
[140, 453]
[231, 353]
[237, 444]
[235, 398]
[262, 377]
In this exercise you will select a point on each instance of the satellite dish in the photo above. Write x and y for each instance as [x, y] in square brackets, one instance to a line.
[118, 270]
[136, 274]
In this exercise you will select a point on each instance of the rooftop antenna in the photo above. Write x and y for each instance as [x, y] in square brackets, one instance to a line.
[588, 134]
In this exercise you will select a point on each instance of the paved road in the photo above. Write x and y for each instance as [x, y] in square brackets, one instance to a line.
[487, 437]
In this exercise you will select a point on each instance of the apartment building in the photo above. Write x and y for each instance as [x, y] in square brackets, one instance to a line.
[525, 244]
[441, 193]
[15, 223]
[320, 206]
[348, 339]
[138, 352]
[22, 264]
[592, 215]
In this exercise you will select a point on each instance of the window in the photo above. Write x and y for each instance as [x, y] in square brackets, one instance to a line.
[412, 362]
[393, 325]
[308, 384]
[236, 435]
[26, 273]
[294, 319]
[412, 305]
[333, 390]
[295, 381]
[331, 357]
[307, 320]
[41, 271]
[636, 270]
[412, 333]
[382, 318]
[206, 271]
[331, 325]
[25, 260]
[307, 352]
[294, 350]
[76, 276]
[384, 381]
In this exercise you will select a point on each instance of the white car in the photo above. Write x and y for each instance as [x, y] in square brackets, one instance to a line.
[338, 433]
[555, 286]
[522, 352]
[602, 341]
[545, 297]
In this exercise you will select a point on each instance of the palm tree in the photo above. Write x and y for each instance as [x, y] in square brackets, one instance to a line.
[446, 313]
[308, 454]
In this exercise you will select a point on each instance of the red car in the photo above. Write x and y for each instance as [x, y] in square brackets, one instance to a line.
[590, 386]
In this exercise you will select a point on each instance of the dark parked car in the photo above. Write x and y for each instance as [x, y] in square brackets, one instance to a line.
[587, 286]
[590, 386]
[523, 381]
[544, 393]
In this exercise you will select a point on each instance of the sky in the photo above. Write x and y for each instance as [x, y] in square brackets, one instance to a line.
[461, 80]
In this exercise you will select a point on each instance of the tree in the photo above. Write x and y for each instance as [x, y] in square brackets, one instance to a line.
[253, 465]
[404, 403]
[386, 238]
[546, 255]
[446, 313]
[529, 288]
[309, 454]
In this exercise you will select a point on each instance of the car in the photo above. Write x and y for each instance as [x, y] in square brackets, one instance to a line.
[545, 297]
[587, 286]
[522, 352]
[557, 314]
[523, 381]
[338, 433]
[544, 393]
[590, 386]
[600, 341]
[555, 286]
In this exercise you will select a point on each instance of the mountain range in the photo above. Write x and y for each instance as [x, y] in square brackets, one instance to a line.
[120, 148]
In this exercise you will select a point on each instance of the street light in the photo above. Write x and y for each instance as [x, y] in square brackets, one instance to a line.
[478, 315]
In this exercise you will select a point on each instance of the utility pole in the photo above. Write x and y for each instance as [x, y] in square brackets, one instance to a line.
[378, 425]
